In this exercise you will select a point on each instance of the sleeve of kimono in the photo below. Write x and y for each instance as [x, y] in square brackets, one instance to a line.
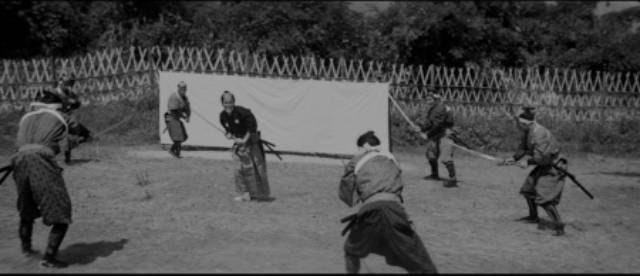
[67, 142]
[72, 123]
[522, 149]
[250, 120]
[187, 108]
[347, 188]
[70, 99]
[173, 102]
[75, 101]
[438, 120]
[426, 126]
[223, 122]
[541, 144]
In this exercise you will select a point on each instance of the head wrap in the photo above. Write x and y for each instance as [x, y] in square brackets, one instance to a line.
[526, 115]
[48, 99]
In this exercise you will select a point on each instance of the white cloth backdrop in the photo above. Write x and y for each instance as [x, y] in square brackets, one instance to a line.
[307, 116]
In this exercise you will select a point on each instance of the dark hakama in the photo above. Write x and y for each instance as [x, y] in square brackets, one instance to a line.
[40, 186]
[544, 184]
[251, 175]
[175, 126]
[383, 228]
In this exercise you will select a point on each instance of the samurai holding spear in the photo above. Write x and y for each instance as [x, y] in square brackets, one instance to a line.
[381, 226]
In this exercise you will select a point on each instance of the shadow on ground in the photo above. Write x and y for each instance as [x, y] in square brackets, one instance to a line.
[86, 253]
[265, 199]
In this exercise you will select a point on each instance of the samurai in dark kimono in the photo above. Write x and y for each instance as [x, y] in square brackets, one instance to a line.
[438, 130]
[39, 183]
[178, 108]
[241, 126]
[71, 102]
[381, 226]
[543, 186]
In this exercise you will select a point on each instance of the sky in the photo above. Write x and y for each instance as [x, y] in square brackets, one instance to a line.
[601, 8]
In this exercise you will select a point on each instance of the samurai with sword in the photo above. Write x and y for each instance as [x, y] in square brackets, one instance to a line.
[178, 108]
[71, 102]
[39, 183]
[381, 225]
[543, 186]
[437, 130]
[241, 126]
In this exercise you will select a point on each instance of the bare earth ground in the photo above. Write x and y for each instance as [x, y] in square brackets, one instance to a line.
[185, 220]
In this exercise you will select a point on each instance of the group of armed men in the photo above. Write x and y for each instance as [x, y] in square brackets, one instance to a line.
[371, 180]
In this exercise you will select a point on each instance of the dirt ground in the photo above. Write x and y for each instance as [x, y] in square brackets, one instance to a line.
[183, 219]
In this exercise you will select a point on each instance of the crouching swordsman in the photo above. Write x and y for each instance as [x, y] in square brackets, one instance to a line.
[381, 226]
[40, 186]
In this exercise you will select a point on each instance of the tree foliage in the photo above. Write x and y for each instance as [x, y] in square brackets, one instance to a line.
[456, 33]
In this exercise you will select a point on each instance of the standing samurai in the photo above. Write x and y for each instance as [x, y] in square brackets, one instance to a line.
[241, 126]
[40, 186]
[381, 226]
[437, 131]
[71, 102]
[543, 186]
[178, 108]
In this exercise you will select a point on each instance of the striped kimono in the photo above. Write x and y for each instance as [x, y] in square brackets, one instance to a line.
[40, 186]
[381, 226]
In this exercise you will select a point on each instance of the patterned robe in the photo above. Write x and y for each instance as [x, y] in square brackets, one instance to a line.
[381, 226]
[544, 183]
[178, 108]
[41, 188]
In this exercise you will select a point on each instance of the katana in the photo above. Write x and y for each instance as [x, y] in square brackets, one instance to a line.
[573, 178]
[401, 112]
[476, 153]
[270, 147]
[208, 122]
[112, 127]
[264, 142]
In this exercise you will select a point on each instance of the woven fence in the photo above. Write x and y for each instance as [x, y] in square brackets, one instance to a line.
[115, 74]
